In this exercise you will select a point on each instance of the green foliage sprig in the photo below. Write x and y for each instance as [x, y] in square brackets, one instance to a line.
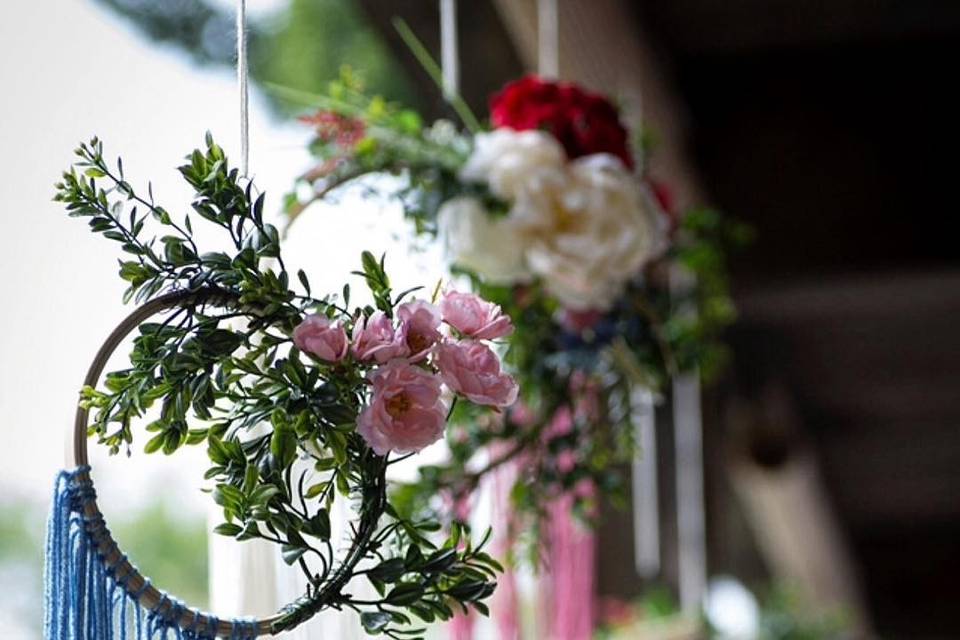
[221, 370]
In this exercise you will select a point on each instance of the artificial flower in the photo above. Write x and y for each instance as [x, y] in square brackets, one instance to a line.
[375, 338]
[584, 123]
[601, 231]
[406, 412]
[491, 247]
[320, 336]
[472, 369]
[515, 164]
[419, 327]
[474, 317]
[585, 227]
[332, 127]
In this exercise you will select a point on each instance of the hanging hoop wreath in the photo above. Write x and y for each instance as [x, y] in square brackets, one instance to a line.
[287, 385]
[551, 216]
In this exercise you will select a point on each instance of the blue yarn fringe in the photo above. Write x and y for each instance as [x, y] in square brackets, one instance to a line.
[84, 600]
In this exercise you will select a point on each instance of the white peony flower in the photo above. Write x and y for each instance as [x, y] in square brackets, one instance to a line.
[515, 164]
[491, 247]
[603, 231]
[585, 227]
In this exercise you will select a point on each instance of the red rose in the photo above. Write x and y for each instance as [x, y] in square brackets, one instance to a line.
[583, 122]
[667, 201]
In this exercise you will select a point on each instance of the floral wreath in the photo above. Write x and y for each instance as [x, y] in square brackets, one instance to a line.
[548, 216]
[300, 400]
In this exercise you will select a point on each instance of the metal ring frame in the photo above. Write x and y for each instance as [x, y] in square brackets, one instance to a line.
[128, 575]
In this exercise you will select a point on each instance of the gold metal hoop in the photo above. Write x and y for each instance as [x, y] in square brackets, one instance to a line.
[146, 595]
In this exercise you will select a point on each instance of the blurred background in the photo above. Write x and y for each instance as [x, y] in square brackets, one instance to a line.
[831, 442]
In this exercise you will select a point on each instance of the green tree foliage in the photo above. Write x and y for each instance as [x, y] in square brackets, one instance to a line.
[302, 46]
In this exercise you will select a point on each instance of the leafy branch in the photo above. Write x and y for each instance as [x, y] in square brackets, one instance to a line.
[279, 425]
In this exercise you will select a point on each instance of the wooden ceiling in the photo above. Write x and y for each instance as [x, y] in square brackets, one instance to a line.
[706, 27]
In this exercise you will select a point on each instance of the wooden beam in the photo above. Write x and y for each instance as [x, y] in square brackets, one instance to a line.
[729, 26]
[778, 480]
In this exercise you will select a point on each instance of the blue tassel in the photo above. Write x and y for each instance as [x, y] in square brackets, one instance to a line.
[85, 600]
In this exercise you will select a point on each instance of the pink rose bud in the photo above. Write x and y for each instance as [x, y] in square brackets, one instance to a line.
[472, 369]
[474, 317]
[419, 327]
[374, 338]
[405, 413]
[320, 336]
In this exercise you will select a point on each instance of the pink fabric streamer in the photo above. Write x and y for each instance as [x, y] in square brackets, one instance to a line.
[569, 576]
[506, 601]
[461, 626]
[570, 572]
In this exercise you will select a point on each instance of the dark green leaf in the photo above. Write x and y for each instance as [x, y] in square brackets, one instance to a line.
[374, 621]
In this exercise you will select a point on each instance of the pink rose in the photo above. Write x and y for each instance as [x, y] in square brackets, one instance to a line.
[566, 461]
[405, 413]
[473, 370]
[522, 415]
[474, 317]
[375, 338]
[320, 336]
[585, 488]
[419, 327]
[560, 424]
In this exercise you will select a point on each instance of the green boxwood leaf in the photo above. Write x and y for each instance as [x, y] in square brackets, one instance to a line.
[405, 593]
[227, 529]
[318, 525]
[291, 553]
[375, 621]
[283, 446]
[389, 570]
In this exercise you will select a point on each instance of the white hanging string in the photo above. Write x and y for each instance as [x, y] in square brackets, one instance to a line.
[242, 82]
[548, 38]
[449, 48]
[242, 580]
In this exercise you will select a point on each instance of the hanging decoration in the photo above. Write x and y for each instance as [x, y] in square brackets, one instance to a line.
[352, 390]
[547, 215]
[349, 391]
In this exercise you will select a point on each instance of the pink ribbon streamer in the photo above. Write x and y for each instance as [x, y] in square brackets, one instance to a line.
[506, 601]
[461, 626]
[570, 575]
